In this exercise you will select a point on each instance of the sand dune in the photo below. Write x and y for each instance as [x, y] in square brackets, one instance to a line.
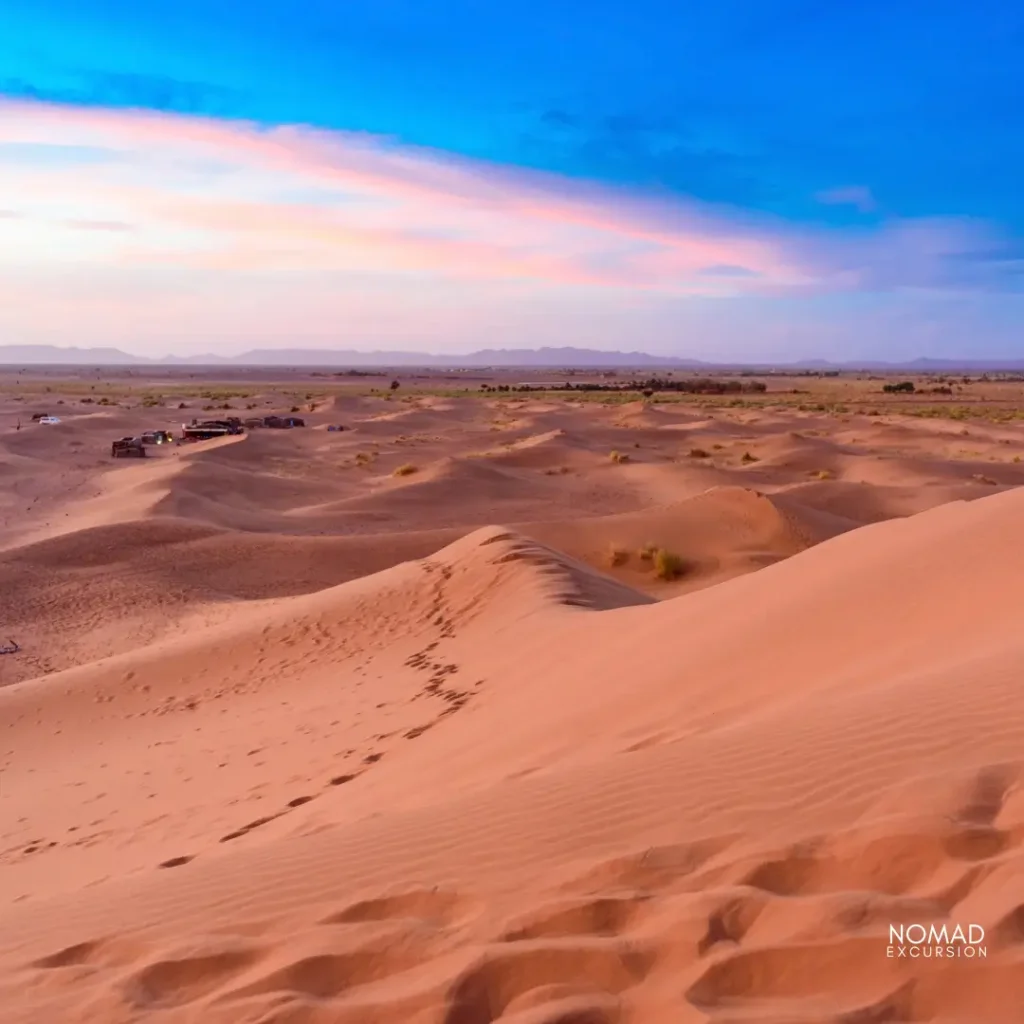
[294, 739]
[721, 532]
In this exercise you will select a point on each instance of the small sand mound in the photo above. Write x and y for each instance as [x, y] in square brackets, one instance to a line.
[717, 533]
[641, 414]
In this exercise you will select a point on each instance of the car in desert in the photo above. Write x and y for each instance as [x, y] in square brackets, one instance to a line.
[157, 437]
[208, 429]
[48, 419]
[128, 448]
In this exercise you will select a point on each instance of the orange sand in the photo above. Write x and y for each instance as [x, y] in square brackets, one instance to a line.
[294, 740]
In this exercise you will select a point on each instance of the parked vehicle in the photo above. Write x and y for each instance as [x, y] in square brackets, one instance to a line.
[157, 437]
[203, 431]
[48, 419]
[127, 448]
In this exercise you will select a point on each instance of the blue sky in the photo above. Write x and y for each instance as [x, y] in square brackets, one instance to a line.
[862, 161]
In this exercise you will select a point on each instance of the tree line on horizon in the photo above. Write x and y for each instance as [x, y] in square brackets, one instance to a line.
[648, 386]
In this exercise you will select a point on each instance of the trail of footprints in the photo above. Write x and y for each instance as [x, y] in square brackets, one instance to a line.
[659, 931]
[424, 660]
[420, 661]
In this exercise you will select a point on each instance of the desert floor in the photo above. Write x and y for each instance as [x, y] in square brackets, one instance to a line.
[522, 708]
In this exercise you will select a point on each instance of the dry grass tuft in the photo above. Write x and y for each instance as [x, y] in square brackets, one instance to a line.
[668, 565]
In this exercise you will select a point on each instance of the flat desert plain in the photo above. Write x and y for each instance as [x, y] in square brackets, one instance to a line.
[538, 708]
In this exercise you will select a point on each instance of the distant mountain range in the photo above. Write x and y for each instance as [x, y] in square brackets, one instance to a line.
[52, 355]
[38, 355]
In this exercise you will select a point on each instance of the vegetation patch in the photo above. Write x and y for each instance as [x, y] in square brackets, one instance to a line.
[668, 565]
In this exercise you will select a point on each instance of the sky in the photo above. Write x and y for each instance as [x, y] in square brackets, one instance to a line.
[741, 180]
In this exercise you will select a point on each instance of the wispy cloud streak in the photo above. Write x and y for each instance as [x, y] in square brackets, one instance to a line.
[223, 194]
[148, 225]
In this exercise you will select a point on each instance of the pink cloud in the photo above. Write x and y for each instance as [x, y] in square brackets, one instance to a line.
[412, 206]
[234, 197]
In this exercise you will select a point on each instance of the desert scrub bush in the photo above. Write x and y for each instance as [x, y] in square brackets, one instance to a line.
[617, 556]
[617, 456]
[556, 471]
[823, 474]
[668, 565]
[747, 457]
[406, 469]
[699, 453]
[223, 394]
[647, 552]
